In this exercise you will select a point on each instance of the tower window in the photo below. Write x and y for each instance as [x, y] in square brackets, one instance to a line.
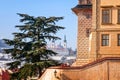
[118, 39]
[84, 2]
[105, 40]
[119, 16]
[88, 1]
[106, 16]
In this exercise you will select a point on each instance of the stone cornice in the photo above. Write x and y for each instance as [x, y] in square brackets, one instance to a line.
[105, 30]
[77, 8]
[108, 30]
[110, 6]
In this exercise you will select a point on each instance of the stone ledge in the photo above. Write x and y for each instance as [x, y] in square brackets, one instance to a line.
[89, 64]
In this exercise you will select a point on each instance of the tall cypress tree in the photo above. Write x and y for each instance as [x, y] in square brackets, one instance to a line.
[28, 49]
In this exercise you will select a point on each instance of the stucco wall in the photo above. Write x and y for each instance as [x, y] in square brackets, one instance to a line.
[113, 49]
[113, 5]
[110, 2]
[101, 70]
[113, 29]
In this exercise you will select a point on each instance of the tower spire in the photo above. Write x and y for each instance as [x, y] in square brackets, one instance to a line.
[53, 44]
[65, 42]
[65, 39]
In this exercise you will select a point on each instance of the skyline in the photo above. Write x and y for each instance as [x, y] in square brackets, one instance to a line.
[47, 8]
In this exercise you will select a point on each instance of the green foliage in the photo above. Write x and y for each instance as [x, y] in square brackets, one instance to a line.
[29, 50]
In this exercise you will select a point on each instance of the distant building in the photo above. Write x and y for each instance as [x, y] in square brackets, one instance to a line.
[65, 54]
[2, 45]
[62, 49]
[4, 58]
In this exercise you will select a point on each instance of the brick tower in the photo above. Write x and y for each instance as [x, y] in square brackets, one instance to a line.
[84, 12]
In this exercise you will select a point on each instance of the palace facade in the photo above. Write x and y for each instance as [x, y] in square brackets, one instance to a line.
[98, 30]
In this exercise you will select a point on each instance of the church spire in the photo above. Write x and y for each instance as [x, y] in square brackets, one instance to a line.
[53, 44]
[65, 42]
[65, 39]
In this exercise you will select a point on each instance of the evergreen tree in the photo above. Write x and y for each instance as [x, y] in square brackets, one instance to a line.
[28, 49]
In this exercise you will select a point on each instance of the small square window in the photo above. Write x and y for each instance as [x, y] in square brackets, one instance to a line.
[118, 39]
[105, 40]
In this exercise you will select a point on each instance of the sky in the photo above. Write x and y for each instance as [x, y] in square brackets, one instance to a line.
[47, 8]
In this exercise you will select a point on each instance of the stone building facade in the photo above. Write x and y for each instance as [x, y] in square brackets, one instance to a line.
[98, 30]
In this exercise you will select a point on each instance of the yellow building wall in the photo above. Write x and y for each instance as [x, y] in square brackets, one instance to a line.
[110, 2]
[89, 48]
[113, 29]
[113, 50]
[114, 7]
